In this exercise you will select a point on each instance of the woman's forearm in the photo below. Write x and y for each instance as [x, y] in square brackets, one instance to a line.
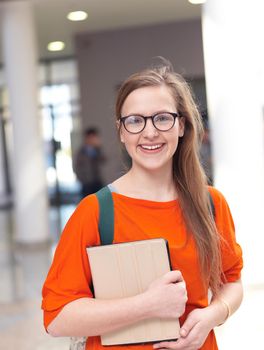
[165, 298]
[90, 317]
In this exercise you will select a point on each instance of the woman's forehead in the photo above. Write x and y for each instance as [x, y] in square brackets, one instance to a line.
[149, 99]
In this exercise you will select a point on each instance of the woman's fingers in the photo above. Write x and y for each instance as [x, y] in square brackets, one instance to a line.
[187, 326]
[173, 276]
[167, 296]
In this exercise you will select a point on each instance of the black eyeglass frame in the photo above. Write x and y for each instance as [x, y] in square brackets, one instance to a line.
[123, 119]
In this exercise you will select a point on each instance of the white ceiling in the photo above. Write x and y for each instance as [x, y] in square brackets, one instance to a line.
[52, 24]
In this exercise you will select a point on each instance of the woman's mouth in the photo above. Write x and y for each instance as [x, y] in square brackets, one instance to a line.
[153, 148]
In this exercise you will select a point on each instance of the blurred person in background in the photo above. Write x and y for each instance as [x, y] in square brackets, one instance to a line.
[88, 161]
[163, 194]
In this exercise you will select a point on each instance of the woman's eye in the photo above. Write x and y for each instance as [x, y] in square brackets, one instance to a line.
[134, 120]
[163, 117]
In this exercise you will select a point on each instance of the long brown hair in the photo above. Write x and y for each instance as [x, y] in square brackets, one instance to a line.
[189, 177]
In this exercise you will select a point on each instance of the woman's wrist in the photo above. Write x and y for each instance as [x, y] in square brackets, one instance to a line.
[220, 310]
[142, 304]
[227, 309]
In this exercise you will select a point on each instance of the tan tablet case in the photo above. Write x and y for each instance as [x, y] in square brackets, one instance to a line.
[126, 269]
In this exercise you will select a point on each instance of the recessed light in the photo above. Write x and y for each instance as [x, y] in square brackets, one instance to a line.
[197, 2]
[56, 46]
[77, 16]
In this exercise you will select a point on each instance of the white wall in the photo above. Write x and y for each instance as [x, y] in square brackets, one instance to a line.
[234, 89]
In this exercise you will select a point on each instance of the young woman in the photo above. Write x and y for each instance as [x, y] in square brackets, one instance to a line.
[164, 194]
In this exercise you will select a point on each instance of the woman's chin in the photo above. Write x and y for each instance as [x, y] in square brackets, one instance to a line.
[153, 166]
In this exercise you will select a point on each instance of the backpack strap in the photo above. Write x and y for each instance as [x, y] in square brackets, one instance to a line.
[106, 215]
[212, 206]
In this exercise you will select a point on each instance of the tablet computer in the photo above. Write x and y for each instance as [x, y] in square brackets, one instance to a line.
[122, 270]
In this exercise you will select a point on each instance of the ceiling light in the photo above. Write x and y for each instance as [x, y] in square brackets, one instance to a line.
[56, 46]
[197, 2]
[77, 16]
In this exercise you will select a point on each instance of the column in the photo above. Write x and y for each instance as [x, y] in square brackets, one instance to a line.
[2, 162]
[20, 63]
[233, 51]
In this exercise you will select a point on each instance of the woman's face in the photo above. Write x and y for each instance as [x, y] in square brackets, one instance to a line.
[151, 149]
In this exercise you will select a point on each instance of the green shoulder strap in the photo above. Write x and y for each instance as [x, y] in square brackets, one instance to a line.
[106, 215]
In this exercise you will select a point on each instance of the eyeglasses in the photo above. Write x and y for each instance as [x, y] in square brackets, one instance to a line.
[162, 121]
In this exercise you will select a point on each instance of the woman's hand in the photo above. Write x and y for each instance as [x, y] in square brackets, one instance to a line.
[166, 297]
[194, 331]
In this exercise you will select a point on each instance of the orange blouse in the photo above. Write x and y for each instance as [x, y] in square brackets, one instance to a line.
[69, 277]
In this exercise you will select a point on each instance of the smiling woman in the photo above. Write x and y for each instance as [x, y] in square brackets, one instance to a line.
[155, 135]
[164, 194]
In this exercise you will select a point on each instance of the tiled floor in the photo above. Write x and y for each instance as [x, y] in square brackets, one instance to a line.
[23, 269]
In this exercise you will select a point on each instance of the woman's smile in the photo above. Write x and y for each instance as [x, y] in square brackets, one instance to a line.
[151, 148]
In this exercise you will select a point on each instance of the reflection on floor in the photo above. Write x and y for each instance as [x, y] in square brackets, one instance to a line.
[23, 269]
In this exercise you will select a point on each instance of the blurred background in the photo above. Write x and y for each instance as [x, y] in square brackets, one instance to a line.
[61, 63]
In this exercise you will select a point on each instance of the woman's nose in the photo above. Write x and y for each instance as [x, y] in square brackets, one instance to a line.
[149, 130]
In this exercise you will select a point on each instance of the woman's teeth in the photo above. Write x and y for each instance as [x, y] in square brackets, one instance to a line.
[152, 147]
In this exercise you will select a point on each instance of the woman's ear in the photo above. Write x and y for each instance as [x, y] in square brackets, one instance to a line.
[120, 131]
[181, 126]
[121, 136]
